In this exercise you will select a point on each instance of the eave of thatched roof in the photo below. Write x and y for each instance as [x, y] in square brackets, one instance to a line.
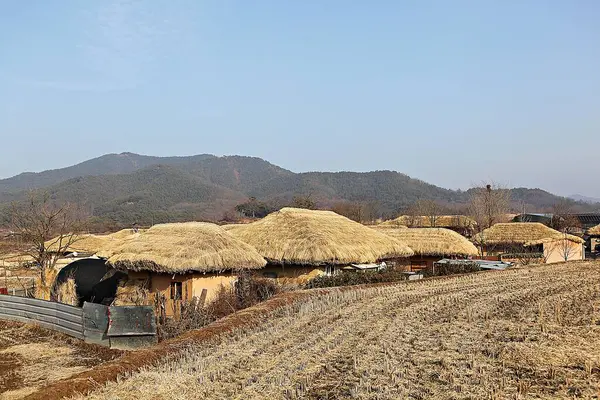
[308, 237]
[182, 247]
[423, 221]
[81, 243]
[522, 233]
[594, 231]
[432, 241]
[85, 242]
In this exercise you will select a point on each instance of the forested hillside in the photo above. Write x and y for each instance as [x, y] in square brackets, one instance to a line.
[120, 189]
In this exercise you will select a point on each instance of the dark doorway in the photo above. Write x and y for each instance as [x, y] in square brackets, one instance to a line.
[96, 282]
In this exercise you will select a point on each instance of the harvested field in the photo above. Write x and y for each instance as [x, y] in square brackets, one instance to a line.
[523, 333]
[31, 357]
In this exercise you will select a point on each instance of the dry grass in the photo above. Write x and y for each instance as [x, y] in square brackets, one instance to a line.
[524, 233]
[67, 293]
[514, 334]
[431, 241]
[133, 292]
[182, 247]
[308, 237]
[31, 357]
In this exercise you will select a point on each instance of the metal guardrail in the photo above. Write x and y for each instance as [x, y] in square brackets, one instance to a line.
[125, 327]
[56, 316]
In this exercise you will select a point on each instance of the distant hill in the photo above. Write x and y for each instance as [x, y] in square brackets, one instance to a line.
[109, 164]
[585, 199]
[124, 188]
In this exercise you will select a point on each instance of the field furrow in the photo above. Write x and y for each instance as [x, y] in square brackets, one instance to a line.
[523, 333]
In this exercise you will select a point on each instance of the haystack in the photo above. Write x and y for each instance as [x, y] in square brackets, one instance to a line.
[594, 231]
[133, 292]
[295, 236]
[521, 233]
[432, 241]
[182, 247]
[67, 293]
[424, 221]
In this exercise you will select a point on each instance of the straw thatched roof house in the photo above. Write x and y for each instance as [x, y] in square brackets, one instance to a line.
[593, 237]
[431, 244]
[299, 243]
[595, 231]
[182, 260]
[458, 223]
[532, 237]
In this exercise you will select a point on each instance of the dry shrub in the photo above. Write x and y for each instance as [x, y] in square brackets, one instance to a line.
[133, 292]
[193, 316]
[67, 293]
[451, 269]
[248, 290]
[251, 289]
[356, 278]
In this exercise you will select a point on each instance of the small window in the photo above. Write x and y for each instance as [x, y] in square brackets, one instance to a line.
[176, 290]
[329, 270]
[270, 274]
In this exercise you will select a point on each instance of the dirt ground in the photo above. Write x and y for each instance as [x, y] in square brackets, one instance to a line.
[31, 357]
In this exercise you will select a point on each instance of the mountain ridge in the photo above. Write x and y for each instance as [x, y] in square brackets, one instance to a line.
[127, 187]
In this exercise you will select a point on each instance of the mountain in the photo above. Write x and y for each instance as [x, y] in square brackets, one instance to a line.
[109, 164]
[119, 189]
[584, 199]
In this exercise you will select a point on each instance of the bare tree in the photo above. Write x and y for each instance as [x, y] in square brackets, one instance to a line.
[413, 216]
[563, 219]
[46, 231]
[488, 205]
[564, 247]
[431, 210]
[349, 210]
[423, 213]
[301, 201]
[364, 212]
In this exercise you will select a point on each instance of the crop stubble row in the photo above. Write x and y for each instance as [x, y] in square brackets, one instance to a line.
[506, 334]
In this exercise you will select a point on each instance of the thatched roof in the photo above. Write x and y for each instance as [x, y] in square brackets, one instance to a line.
[432, 241]
[594, 230]
[307, 237]
[183, 247]
[81, 243]
[441, 221]
[522, 233]
[87, 243]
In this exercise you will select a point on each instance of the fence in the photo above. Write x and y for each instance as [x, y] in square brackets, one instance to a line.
[123, 327]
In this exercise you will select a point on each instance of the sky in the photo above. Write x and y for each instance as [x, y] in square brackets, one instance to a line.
[450, 92]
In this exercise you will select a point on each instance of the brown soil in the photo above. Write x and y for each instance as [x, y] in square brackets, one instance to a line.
[9, 376]
[55, 355]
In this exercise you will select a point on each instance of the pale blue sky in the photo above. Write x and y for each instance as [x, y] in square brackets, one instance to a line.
[451, 92]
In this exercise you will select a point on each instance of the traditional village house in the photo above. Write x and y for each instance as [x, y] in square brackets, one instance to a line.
[430, 244]
[300, 244]
[529, 238]
[593, 239]
[179, 261]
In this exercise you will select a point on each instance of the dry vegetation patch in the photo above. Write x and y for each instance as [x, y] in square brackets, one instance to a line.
[31, 357]
[523, 333]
